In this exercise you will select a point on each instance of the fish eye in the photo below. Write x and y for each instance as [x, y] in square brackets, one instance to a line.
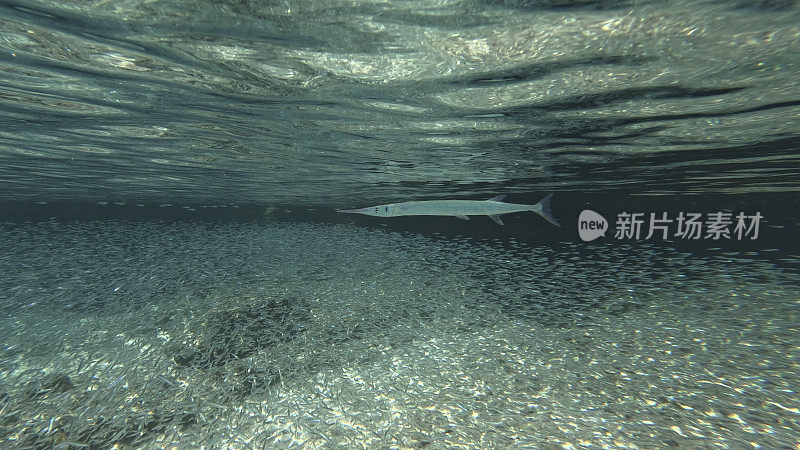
[377, 209]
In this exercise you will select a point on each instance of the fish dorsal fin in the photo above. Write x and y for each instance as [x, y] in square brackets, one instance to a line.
[496, 218]
[462, 217]
[498, 198]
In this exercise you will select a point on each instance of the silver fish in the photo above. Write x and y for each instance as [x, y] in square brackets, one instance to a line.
[493, 208]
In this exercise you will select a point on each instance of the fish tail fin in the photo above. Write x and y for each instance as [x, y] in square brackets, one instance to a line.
[543, 209]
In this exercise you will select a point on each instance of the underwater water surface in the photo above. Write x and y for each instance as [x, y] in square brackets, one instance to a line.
[174, 272]
[318, 102]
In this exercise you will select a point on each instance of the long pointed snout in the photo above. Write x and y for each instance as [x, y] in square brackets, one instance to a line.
[354, 211]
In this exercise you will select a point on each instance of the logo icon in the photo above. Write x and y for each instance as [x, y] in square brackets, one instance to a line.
[591, 225]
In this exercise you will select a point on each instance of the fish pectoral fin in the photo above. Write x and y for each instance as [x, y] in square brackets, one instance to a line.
[496, 218]
[462, 217]
[498, 198]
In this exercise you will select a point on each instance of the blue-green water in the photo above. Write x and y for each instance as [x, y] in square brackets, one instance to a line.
[317, 102]
[174, 272]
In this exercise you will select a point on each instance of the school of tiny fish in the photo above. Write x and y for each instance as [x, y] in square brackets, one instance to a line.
[279, 334]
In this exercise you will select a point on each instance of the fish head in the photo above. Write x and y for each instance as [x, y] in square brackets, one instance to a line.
[379, 210]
